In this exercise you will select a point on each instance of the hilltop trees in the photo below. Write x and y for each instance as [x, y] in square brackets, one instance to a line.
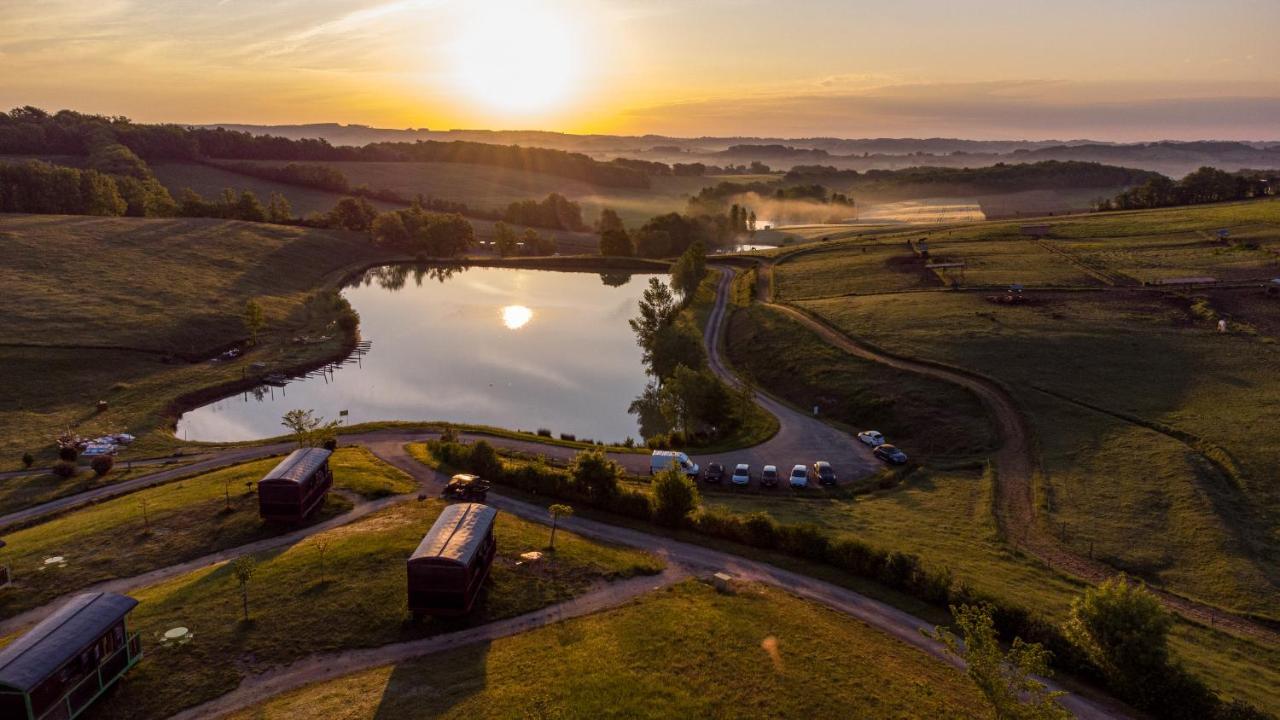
[556, 212]
[418, 231]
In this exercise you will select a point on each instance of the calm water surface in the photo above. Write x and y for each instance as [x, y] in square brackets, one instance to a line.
[496, 346]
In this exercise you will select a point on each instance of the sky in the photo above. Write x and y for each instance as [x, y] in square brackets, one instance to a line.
[1025, 69]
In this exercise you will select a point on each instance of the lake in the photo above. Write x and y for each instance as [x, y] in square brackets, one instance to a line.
[514, 348]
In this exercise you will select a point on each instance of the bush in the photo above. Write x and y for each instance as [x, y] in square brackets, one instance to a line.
[484, 461]
[544, 432]
[68, 454]
[595, 476]
[102, 464]
[64, 469]
[761, 531]
[570, 437]
[27, 460]
[675, 497]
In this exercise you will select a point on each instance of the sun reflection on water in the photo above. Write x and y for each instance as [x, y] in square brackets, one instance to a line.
[516, 316]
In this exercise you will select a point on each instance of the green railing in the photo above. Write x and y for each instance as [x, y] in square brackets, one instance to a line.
[83, 693]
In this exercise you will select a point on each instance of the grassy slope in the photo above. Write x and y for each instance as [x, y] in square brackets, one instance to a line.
[359, 601]
[685, 652]
[185, 520]
[490, 188]
[160, 285]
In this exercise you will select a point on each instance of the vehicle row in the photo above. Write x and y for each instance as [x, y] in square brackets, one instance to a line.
[881, 449]
[799, 477]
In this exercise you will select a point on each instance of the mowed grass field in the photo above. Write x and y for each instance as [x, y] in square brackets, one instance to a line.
[358, 599]
[1156, 433]
[95, 307]
[687, 651]
[168, 525]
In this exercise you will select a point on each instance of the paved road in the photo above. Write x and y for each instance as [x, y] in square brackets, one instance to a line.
[801, 438]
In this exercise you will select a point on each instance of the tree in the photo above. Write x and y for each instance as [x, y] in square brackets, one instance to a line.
[102, 465]
[675, 497]
[609, 220]
[504, 239]
[1006, 679]
[675, 344]
[388, 231]
[321, 545]
[352, 213]
[688, 271]
[27, 459]
[1124, 630]
[248, 208]
[657, 308]
[309, 429]
[537, 244]
[595, 475]
[278, 208]
[254, 319]
[557, 511]
[652, 243]
[146, 516]
[692, 399]
[244, 568]
[615, 242]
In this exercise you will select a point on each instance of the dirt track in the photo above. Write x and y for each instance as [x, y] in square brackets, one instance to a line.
[1017, 467]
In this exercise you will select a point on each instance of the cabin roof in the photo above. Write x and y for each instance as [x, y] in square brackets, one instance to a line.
[457, 534]
[299, 465]
[27, 661]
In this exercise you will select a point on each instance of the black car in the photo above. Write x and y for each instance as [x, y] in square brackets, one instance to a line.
[890, 454]
[769, 477]
[468, 488]
[822, 470]
[714, 473]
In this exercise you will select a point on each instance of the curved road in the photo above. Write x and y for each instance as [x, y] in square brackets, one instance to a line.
[1016, 463]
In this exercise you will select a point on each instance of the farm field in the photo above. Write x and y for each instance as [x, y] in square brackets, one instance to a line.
[687, 651]
[1156, 445]
[183, 520]
[147, 291]
[357, 600]
[493, 188]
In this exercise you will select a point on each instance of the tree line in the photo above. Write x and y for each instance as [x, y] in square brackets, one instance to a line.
[672, 234]
[1205, 185]
[32, 131]
[1001, 177]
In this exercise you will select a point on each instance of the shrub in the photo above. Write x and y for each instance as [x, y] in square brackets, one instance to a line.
[68, 454]
[102, 464]
[805, 541]
[330, 444]
[595, 475]
[568, 436]
[484, 460]
[544, 432]
[675, 497]
[64, 469]
[761, 531]
[629, 442]
[27, 460]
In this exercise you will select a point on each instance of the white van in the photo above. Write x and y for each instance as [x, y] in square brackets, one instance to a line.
[663, 459]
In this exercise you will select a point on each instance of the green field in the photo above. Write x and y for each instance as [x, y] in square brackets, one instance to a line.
[107, 306]
[687, 651]
[358, 600]
[183, 520]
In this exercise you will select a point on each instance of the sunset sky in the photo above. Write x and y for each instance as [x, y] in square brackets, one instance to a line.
[1105, 69]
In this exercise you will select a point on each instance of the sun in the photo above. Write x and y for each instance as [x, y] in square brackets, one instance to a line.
[516, 316]
[517, 56]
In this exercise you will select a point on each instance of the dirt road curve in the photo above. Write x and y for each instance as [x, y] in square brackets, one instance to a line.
[1017, 467]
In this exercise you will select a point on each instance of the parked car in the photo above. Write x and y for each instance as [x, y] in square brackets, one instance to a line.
[468, 488]
[714, 473]
[769, 476]
[825, 474]
[871, 437]
[890, 454]
[799, 476]
[741, 474]
[663, 459]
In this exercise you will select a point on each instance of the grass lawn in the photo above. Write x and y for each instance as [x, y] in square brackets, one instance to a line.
[687, 651]
[357, 601]
[184, 520]
[148, 288]
[27, 490]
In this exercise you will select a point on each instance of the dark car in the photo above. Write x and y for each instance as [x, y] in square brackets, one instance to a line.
[468, 488]
[714, 473]
[890, 454]
[822, 470]
[769, 476]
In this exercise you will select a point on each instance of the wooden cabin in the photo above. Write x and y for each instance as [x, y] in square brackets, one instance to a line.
[452, 561]
[295, 487]
[59, 667]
